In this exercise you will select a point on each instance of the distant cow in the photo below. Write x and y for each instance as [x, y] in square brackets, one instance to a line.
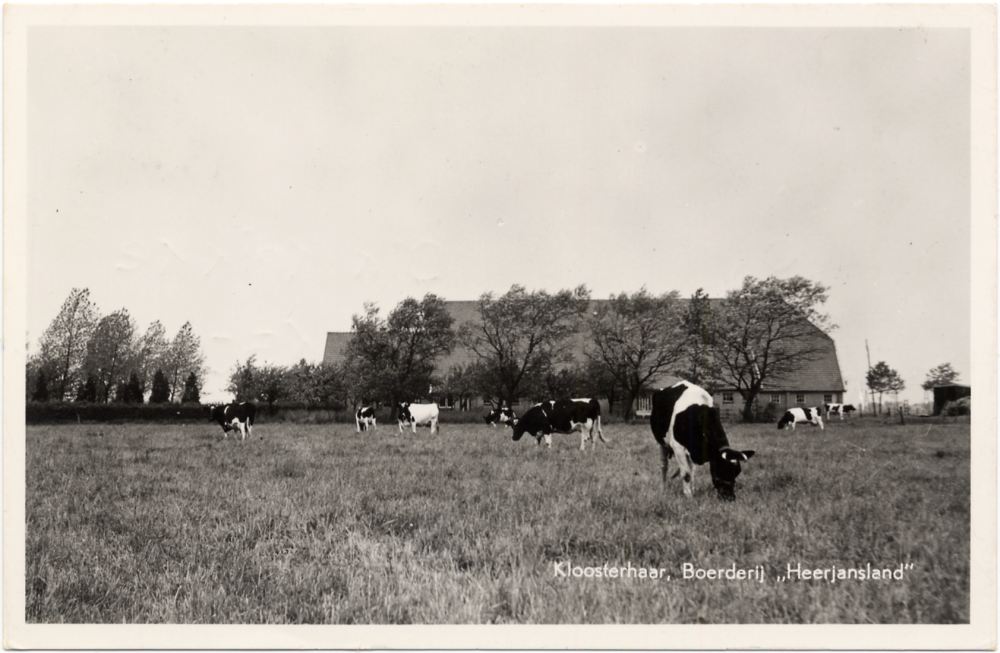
[235, 417]
[795, 416]
[503, 416]
[839, 409]
[364, 418]
[686, 425]
[561, 416]
[417, 414]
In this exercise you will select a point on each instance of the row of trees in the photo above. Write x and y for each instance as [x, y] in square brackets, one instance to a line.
[882, 379]
[303, 383]
[523, 343]
[85, 356]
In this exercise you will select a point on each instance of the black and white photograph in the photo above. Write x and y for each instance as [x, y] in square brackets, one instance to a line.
[521, 317]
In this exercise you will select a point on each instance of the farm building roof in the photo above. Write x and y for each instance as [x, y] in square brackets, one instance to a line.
[822, 375]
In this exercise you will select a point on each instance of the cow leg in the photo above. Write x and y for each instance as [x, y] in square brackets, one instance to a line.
[664, 461]
[358, 422]
[374, 424]
[583, 437]
[434, 425]
[684, 463]
[600, 433]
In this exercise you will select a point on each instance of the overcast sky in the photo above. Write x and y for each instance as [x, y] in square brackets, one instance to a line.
[263, 183]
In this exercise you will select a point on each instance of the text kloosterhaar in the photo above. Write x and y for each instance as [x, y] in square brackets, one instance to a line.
[565, 569]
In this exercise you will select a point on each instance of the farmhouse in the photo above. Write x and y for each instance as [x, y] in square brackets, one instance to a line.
[818, 383]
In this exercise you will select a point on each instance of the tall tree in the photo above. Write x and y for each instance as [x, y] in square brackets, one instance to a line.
[638, 337]
[133, 390]
[521, 335]
[243, 380]
[765, 332]
[110, 351]
[192, 390]
[881, 379]
[393, 359]
[183, 357]
[63, 345]
[697, 327]
[943, 374]
[160, 392]
[151, 354]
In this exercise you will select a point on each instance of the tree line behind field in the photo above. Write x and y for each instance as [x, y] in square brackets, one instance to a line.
[84, 356]
[523, 344]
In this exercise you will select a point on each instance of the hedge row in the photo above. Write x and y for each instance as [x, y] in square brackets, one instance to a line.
[53, 412]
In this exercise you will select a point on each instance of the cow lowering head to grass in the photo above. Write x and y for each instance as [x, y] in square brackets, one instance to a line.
[407, 413]
[235, 417]
[686, 426]
[561, 416]
[364, 418]
[795, 416]
[503, 416]
[839, 409]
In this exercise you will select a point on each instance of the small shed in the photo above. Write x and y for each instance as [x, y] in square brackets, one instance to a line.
[950, 392]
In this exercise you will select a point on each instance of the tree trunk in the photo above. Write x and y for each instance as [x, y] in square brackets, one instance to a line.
[630, 398]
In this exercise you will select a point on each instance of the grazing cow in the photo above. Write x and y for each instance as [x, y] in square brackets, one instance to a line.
[364, 418]
[686, 425]
[795, 416]
[561, 416]
[839, 409]
[417, 414]
[503, 416]
[235, 417]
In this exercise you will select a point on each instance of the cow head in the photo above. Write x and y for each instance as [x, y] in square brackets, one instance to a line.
[403, 412]
[725, 468]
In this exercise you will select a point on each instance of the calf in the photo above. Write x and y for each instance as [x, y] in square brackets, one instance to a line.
[839, 409]
[503, 416]
[417, 414]
[795, 416]
[686, 425]
[561, 416]
[235, 417]
[364, 418]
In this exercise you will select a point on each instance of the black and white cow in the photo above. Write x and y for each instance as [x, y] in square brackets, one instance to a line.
[503, 416]
[235, 417]
[795, 416]
[561, 416]
[687, 426]
[839, 409]
[364, 418]
[417, 414]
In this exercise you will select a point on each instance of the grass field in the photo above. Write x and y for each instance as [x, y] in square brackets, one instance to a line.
[318, 524]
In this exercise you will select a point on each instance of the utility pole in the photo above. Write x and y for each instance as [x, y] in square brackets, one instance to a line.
[869, 354]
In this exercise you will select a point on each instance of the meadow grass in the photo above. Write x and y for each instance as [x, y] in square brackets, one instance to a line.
[318, 524]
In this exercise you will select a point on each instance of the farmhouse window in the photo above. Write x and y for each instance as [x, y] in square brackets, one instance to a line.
[828, 399]
[727, 397]
[775, 398]
[800, 398]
